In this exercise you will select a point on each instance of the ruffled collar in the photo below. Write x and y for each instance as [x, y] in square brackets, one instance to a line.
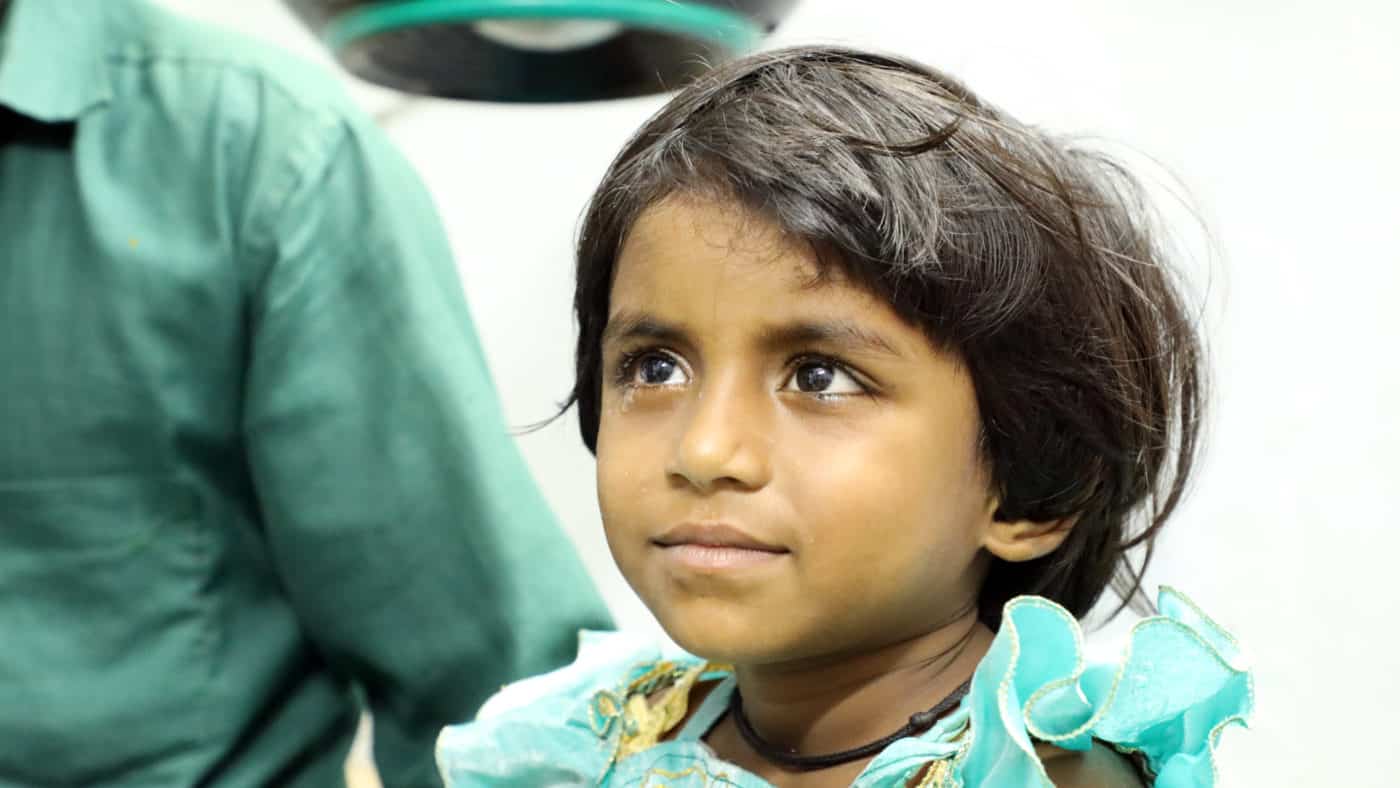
[1180, 682]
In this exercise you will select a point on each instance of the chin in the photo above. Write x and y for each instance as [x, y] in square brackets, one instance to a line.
[708, 647]
[721, 633]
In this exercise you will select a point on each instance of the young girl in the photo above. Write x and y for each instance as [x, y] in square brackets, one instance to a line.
[883, 385]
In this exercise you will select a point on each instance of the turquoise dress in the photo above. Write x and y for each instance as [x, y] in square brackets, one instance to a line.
[1181, 681]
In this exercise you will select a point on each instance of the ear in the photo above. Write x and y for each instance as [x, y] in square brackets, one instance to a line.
[1025, 540]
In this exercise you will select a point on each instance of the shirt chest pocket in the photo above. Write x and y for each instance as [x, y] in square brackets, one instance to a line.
[104, 624]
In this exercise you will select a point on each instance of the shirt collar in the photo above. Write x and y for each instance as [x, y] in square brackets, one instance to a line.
[53, 57]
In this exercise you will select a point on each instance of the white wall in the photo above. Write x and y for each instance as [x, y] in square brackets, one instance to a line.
[1278, 117]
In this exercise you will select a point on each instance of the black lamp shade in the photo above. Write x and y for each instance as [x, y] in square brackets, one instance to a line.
[483, 49]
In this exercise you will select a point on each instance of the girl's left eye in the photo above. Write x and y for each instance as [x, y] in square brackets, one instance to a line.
[654, 368]
[823, 377]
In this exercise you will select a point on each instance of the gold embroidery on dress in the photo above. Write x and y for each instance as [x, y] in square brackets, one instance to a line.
[644, 721]
[603, 712]
[933, 774]
[709, 779]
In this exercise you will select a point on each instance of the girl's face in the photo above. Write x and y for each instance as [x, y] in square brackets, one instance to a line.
[787, 470]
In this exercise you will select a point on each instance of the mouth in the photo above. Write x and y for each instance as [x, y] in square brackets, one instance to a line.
[716, 546]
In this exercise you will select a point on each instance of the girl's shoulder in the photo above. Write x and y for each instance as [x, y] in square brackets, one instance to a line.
[621, 695]
[1179, 683]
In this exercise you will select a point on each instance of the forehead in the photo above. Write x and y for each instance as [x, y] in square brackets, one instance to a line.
[687, 250]
[691, 228]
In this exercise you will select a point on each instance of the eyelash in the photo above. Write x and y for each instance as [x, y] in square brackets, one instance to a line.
[860, 380]
[626, 369]
[627, 365]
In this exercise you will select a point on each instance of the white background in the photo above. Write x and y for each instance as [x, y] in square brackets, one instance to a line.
[1279, 120]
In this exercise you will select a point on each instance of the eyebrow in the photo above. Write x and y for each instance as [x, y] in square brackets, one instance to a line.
[842, 334]
[639, 325]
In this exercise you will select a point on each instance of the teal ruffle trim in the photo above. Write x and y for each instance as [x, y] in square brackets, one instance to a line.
[1181, 682]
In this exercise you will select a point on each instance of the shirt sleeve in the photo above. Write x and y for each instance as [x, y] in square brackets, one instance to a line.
[412, 542]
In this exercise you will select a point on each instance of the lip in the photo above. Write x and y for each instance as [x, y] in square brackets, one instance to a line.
[716, 547]
[716, 536]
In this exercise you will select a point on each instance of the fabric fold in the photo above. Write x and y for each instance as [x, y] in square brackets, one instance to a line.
[1180, 682]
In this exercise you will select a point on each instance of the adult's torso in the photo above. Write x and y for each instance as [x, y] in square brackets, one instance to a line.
[145, 637]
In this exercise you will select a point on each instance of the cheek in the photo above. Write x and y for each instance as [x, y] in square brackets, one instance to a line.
[630, 465]
[613, 473]
[617, 504]
[894, 497]
[867, 471]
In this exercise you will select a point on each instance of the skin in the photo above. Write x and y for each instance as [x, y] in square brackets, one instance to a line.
[740, 390]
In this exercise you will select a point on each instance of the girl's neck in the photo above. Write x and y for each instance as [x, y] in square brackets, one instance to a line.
[836, 703]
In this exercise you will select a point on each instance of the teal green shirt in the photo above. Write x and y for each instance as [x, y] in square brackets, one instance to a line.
[252, 465]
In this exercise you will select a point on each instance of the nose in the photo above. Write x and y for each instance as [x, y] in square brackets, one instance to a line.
[725, 439]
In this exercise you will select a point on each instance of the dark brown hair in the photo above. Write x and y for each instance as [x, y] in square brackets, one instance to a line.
[1034, 261]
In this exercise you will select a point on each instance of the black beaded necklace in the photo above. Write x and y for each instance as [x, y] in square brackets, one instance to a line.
[918, 723]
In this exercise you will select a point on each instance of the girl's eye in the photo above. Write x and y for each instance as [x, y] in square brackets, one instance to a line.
[656, 369]
[823, 377]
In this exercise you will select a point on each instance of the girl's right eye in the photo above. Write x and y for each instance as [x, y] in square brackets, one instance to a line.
[656, 369]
